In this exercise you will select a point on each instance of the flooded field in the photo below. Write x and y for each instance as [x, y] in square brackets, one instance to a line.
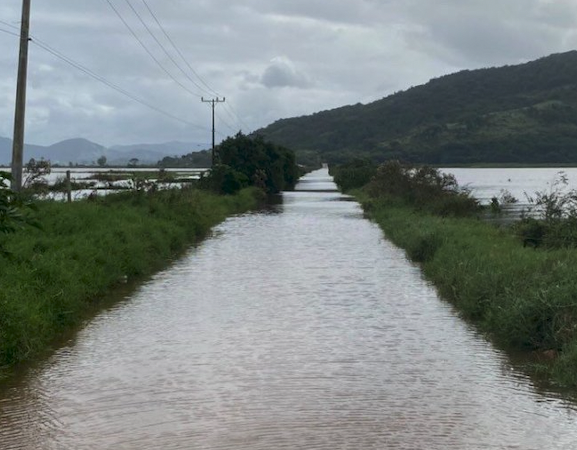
[104, 180]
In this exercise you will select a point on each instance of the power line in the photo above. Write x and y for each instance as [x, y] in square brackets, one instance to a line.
[225, 123]
[103, 80]
[212, 91]
[111, 85]
[9, 24]
[229, 105]
[9, 32]
[237, 118]
[232, 114]
[100, 78]
[143, 45]
[161, 45]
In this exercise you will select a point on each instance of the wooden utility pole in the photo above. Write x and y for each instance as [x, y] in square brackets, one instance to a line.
[213, 101]
[20, 110]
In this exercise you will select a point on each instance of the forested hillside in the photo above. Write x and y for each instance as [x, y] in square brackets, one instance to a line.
[514, 114]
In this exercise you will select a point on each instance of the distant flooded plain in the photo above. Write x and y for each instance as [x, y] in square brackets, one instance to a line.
[485, 183]
[298, 327]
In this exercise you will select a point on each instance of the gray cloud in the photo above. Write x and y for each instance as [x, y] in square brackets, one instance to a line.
[282, 73]
[341, 52]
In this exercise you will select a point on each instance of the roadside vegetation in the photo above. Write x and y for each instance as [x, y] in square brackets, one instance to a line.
[53, 274]
[58, 260]
[516, 282]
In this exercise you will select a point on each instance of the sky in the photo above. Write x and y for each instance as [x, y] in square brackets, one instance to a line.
[270, 59]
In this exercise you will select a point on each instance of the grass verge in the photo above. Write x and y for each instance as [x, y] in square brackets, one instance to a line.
[526, 298]
[55, 275]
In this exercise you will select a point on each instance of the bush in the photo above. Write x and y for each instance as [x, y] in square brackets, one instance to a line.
[353, 175]
[223, 179]
[553, 223]
[14, 211]
[423, 187]
[531, 231]
[423, 248]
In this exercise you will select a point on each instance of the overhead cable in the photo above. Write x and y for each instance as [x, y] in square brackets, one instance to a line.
[212, 91]
[237, 118]
[161, 45]
[9, 32]
[154, 58]
[108, 83]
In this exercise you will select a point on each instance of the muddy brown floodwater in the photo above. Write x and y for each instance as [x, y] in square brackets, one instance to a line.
[296, 328]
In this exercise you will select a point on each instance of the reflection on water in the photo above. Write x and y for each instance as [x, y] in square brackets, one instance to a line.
[300, 329]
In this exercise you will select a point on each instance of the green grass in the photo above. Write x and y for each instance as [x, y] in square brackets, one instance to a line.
[85, 249]
[525, 298]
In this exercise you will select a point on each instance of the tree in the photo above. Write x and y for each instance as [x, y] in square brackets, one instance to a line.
[262, 162]
[133, 162]
[101, 161]
[36, 172]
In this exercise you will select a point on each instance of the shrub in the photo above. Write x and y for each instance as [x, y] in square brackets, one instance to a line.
[14, 211]
[552, 221]
[223, 179]
[423, 187]
[423, 248]
[353, 175]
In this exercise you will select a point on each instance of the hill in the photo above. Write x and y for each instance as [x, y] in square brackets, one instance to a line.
[82, 151]
[514, 114]
[71, 150]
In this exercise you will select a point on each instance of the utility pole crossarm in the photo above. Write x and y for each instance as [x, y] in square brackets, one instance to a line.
[213, 102]
[20, 110]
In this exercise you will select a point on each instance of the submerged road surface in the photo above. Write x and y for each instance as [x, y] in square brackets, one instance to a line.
[296, 328]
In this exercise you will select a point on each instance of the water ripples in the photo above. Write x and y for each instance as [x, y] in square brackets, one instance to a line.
[300, 328]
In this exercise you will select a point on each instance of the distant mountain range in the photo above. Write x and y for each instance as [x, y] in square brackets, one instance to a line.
[523, 113]
[82, 151]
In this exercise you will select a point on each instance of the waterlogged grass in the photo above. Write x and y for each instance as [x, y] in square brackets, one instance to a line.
[86, 248]
[524, 297]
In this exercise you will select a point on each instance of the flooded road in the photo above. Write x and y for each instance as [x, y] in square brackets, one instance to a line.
[296, 328]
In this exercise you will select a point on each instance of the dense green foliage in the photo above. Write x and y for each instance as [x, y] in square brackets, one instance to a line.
[14, 211]
[354, 174]
[55, 275]
[524, 114]
[224, 179]
[244, 161]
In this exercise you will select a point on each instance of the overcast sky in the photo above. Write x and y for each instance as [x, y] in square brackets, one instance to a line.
[271, 59]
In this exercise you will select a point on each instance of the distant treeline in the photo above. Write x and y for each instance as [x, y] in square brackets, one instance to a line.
[200, 159]
[514, 114]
